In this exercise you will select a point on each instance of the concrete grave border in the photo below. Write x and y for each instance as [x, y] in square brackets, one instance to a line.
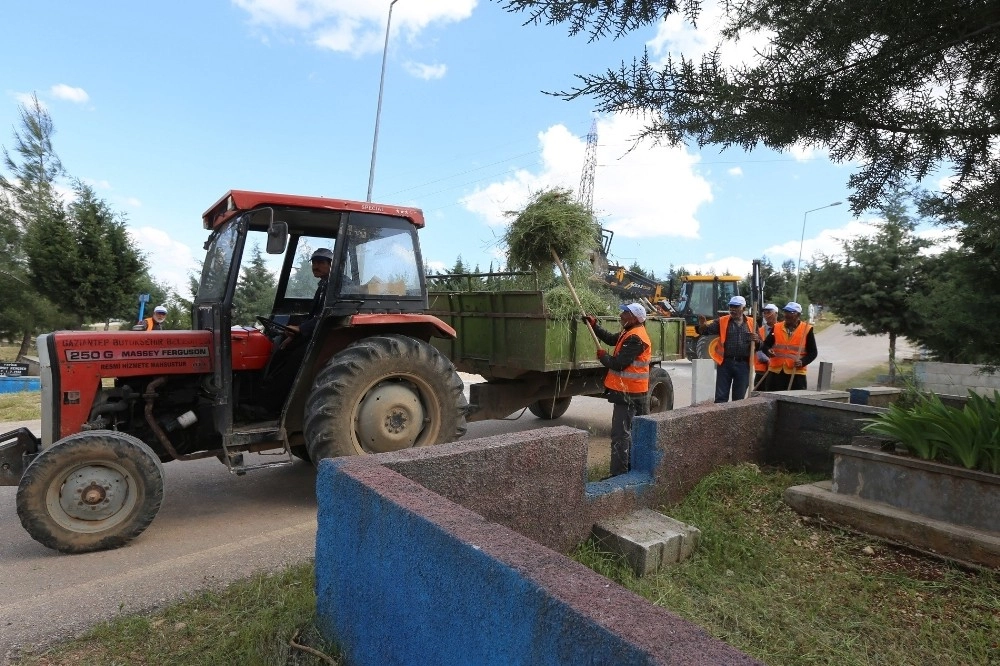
[451, 554]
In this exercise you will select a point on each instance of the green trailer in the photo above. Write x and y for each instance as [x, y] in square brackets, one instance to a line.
[529, 358]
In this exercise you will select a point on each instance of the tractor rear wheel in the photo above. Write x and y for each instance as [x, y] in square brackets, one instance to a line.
[91, 491]
[384, 393]
[661, 391]
[550, 408]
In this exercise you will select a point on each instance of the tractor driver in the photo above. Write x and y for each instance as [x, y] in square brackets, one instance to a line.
[287, 358]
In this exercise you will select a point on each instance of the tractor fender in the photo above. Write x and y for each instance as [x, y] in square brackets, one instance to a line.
[436, 327]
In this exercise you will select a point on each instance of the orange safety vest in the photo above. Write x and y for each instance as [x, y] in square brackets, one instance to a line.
[788, 348]
[757, 365]
[148, 323]
[634, 378]
[718, 347]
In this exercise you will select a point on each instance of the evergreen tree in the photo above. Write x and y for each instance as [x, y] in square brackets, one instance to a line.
[29, 210]
[899, 86]
[255, 290]
[873, 285]
[960, 308]
[107, 265]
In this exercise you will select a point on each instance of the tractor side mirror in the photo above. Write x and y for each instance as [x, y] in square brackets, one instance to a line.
[277, 237]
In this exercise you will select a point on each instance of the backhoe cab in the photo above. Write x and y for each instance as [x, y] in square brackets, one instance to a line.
[115, 405]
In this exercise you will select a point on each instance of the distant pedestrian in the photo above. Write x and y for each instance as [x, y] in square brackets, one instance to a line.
[790, 348]
[732, 353]
[154, 323]
[627, 383]
[770, 314]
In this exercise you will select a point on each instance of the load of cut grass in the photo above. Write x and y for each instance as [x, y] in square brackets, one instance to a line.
[559, 303]
[551, 221]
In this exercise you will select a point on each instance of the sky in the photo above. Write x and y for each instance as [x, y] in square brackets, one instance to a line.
[165, 106]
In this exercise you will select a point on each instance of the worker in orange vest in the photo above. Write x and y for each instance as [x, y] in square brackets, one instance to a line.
[790, 348]
[770, 313]
[732, 353]
[154, 323]
[627, 383]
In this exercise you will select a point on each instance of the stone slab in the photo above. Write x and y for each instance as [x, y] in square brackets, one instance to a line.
[647, 539]
[934, 537]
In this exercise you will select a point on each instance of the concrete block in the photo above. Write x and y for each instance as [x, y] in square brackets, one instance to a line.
[825, 377]
[702, 380]
[875, 396]
[647, 540]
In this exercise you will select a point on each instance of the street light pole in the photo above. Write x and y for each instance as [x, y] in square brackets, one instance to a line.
[378, 109]
[798, 265]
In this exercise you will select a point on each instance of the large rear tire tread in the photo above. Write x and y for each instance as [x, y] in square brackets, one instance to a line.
[341, 386]
[702, 345]
[550, 408]
[46, 477]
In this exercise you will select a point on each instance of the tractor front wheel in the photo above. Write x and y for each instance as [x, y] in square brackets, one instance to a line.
[384, 393]
[91, 491]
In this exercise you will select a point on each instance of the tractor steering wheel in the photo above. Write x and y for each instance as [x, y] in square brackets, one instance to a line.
[273, 328]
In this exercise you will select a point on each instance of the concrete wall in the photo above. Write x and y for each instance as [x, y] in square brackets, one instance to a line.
[405, 576]
[805, 430]
[448, 554]
[955, 378]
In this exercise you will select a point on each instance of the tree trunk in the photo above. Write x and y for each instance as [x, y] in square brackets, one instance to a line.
[892, 358]
[25, 345]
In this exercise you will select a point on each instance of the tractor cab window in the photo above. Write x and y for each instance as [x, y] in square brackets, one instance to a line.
[301, 281]
[219, 262]
[380, 258]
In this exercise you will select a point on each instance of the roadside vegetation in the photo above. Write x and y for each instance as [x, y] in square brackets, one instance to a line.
[250, 622]
[783, 589]
[793, 591]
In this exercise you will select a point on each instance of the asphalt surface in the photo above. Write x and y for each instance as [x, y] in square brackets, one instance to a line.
[215, 527]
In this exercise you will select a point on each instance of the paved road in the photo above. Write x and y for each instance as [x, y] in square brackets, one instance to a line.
[215, 527]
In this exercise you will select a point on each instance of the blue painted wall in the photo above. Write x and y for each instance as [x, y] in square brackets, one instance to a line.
[394, 587]
[19, 384]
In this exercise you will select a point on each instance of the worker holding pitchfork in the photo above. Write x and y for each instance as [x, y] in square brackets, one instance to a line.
[791, 346]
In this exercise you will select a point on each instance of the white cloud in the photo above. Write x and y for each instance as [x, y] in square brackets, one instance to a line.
[426, 72]
[133, 202]
[69, 93]
[354, 26]
[169, 261]
[28, 100]
[623, 182]
[676, 36]
[735, 171]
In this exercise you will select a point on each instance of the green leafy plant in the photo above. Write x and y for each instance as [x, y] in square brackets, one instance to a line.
[931, 430]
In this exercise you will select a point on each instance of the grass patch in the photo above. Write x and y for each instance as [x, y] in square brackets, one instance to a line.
[791, 591]
[23, 406]
[870, 377]
[250, 622]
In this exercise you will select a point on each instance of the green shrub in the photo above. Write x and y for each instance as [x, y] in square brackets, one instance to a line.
[931, 430]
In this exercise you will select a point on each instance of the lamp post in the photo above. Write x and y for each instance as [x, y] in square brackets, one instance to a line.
[798, 266]
[378, 109]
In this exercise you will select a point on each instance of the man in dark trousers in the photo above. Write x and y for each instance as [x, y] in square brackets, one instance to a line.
[287, 358]
[732, 353]
[627, 381]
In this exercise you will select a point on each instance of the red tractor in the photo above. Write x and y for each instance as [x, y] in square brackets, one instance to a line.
[115, 405]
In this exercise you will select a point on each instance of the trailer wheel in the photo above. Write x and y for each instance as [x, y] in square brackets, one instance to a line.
[661, 391]
[384, 393]
[550, 408]
[91, 491]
